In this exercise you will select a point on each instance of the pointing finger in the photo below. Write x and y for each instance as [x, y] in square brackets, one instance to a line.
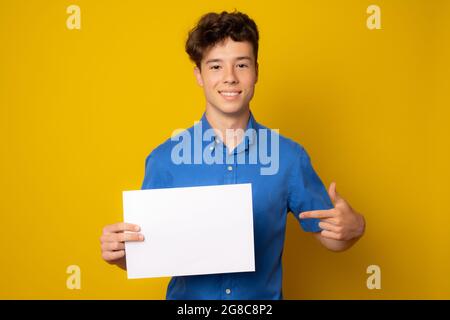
[320, 214]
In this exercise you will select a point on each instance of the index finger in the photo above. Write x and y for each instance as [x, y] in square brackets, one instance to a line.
[121, 226]
[320, 214]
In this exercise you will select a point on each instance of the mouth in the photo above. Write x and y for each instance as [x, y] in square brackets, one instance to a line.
[230, 94]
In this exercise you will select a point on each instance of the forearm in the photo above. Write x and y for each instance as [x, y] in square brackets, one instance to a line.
[121, 263]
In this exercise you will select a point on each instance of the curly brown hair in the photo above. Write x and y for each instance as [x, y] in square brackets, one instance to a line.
[213, 28]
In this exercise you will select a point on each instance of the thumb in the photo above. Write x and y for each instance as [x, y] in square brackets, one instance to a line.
[334, 195]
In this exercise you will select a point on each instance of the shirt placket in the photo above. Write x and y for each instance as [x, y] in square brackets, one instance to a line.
[230, 177]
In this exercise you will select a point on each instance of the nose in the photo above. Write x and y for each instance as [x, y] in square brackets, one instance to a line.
[230, 76]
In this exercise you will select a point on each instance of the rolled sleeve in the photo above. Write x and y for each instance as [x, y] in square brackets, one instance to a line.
[306, 191]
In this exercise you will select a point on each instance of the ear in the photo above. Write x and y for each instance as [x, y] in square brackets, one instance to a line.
[198, 76]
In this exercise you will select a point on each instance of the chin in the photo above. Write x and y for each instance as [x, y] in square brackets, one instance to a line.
[230, 109]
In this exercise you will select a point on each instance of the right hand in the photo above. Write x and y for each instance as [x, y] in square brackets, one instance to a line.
[113, 241]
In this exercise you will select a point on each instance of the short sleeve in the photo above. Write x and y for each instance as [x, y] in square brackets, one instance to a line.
[155, 176]
[306, 191]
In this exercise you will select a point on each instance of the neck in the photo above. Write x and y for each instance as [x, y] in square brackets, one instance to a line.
[220, 122]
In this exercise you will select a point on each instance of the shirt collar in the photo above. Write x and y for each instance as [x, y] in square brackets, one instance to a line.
[248, 139]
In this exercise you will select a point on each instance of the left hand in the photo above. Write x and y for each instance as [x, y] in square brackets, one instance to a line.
[340, 222]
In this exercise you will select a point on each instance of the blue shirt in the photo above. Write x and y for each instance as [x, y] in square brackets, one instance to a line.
[294, 188]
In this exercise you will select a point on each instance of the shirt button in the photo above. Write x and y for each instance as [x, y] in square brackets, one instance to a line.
[228, 291]
[230, 168]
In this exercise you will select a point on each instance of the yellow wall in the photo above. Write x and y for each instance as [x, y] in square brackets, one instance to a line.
[81, 109]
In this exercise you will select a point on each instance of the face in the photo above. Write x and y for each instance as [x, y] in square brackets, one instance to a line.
[228, 76]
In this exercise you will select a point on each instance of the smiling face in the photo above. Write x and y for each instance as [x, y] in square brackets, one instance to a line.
[228, 76]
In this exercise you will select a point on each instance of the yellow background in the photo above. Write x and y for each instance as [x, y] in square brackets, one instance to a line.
[81, 109]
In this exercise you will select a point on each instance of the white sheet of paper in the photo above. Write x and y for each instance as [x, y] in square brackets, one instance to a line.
[190, 231]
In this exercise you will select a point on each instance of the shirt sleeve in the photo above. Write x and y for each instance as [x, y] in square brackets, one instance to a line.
[306, 191]
[155, 176]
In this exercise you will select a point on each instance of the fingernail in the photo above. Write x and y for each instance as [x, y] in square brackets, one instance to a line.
[141, 237]
[136, 228]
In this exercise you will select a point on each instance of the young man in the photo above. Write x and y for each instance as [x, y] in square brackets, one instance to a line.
[224, 48]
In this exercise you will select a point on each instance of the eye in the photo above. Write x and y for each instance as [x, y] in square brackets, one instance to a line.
[242, 65]
[215, 67]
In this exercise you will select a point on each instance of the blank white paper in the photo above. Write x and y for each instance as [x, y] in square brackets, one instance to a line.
[190, 231]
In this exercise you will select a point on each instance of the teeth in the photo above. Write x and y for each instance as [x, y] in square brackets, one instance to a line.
[229, 94]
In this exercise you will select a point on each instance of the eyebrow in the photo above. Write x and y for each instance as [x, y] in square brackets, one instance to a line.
[238, 58]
